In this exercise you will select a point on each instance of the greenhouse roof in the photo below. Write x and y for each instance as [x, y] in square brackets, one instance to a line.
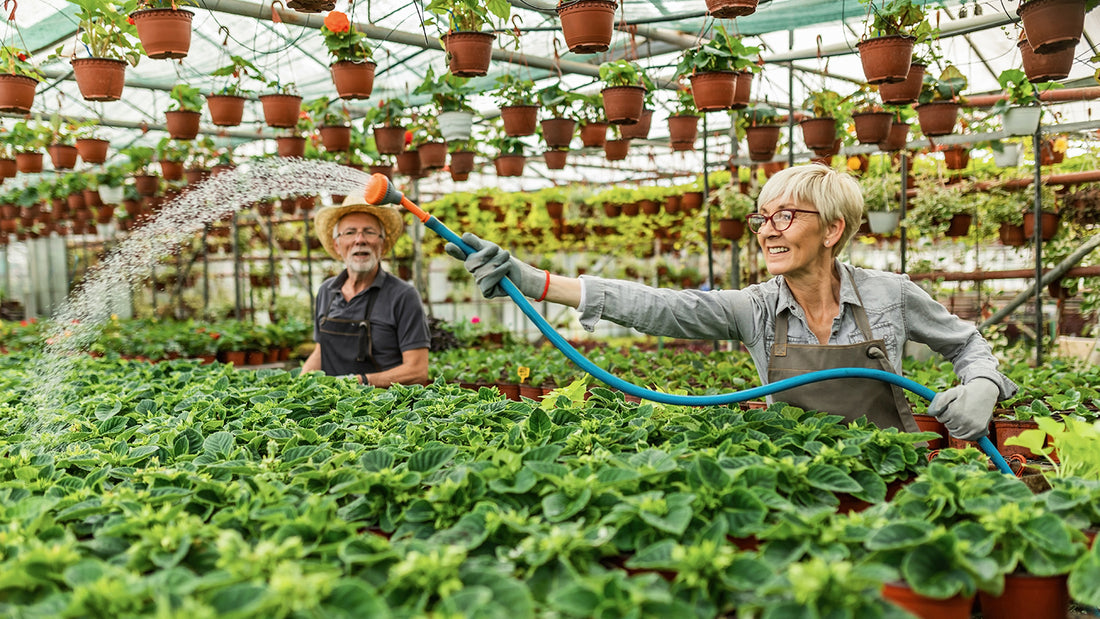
[815, 38]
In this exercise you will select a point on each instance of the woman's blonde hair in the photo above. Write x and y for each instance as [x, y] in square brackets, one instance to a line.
[836, 195]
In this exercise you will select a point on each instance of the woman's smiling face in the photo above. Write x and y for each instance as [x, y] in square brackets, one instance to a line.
[799, 247]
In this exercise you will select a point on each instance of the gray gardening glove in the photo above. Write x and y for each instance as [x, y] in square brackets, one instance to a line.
[490, 264]
[967, 409]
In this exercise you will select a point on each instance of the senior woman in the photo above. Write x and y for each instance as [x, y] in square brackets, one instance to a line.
[816, 312]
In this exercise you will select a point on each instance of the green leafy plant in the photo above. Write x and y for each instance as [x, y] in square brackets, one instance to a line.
[947, 86]
[732, 204]
[469, 15]
[186, 98]
[897, 18]
[15, 61]
[684, 103]
[140, 158]
[448, 92]
[933, 207]
[513, 90]
[168, 149]
[326, 113]
[344, 41]
[721, 53]
[621, 73]
[64, 130]
[388, 112]
[880, 192]
[557, 102]
[30, 136]
[237, 70]
[590, 110]
[1076, 442]
[105, 29]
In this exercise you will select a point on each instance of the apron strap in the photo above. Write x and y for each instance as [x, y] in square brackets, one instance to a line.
[858, 313]
[779, 348]
[366, 346]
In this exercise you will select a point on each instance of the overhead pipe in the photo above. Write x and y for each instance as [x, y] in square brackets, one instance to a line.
[981, 276]
[1058, 95]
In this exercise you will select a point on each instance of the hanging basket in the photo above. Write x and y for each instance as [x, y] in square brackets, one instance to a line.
[16, 93]
[959, 225]
[389, 140]
[7, 168]
[509, 165]
[62, 156]
[335, 139]
[872, 127]
[225, 110]
[469, 53]
[616, 150]
[195, 176]
[762, 141]
[682, 131]
[1021, 119]
[1048, 225]
[886, 59]
[456, 126]
[623, 104]
[519, 120]
[383, 169]
[92, 150]
[164, 33]
[906, 91]
[731, 229]
[146, 184]
[171, 170]
[353, 80]
[587, 25]
[1012, 235]
[1052, 25]
[1045, 67]
[743, 92]
[408, 163]
[937, 118]
[729, 9]
[99, 79]
[593, 135]
[556, 159]
[462, 162]
[28, 163]
[558, 132]
[640, 129]
[182, 124]
[1008, 156]
[897, 138]
[280, 110]
[883, 222]
[818, 133]
[714, 90]
[290, 146]
[433, 155]
[956, 157]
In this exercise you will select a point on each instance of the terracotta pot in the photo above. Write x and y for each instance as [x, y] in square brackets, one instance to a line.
[623, 104]
[713, 91]
[1044, 67]
[28, 163]
[959, 225]
[469, 53]
[353, 80]
[92, 150]
[682, 131]
[75, 202]
[818, 133]
[743, 91]
[196, 175]
[519, 120]
[886, 59]
[672, 204]
[555, 209]
[728, 9]
[1006, 428]
[631, 209]
[593, 135]
[433, 155]
[389, 140]
[555, 159]
[897, 139]
[91, 197]
[385, 170]
[225, 110]
[7, 168]
[956, 157]
[611, 209]
[872, 127]
[587, 25]
[16, 93]
[462, 161]
[649, 207]
[509, 165]
[146, 184]
[1049, 156]
[290, 146]
[899, 594]
[1048, 225]
[99, 79]
[928, 423]
[616, 150]
[640, 129]
[1052, 25]
[408, 163]
[1012, 235]
[1033, 597]
[63, 156]
[104, 213]
[691, 200]
[762, 141]
[182, 124]
[164, 33]
[281, 110]
[732, 229]
[937, 118]
[906, 91]
[558, 132]
[335, 139]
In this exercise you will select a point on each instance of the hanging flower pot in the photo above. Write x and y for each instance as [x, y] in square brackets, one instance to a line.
[937, 118]
[110, 195]
[1048, 155]
[818, 133]
[1021, 119]
[959, 225]
[63, 156]
[886, 59]
[1008, 156]
[1048, 225]
[456, 126]
[519, 120]
[408, 163]
[623, 104]
[956, 157]
[281, 110]
[558, 132]
[593, 135]
[182, 124]
[713, 90]
[1052, 25]
[555, 159]
[682, 131]
[616, 150]
[640, 129]
[99, 79]
[872, 127]
[900, 594]
[28, 163]
[587, 25]
[92, 150]
[762, 140]
[7, 168]
[92, 198]
[195, 176]
[225, 110]
[353, 80]
[731, 229]
[1045, 67]
[509, 165]
[555, 209]
[385, 169]
[462, 162]
[16, 93]
[290, 146]
[1034, 597]
[469, 53]
[433, 155]
[389, 140]
[630, 209]
[906, 91]
[883, 222]
[1012, 235]
[743, 92]
[164, 33]
[335, 139]
[104, 213]
[897, 138]
[729, 9]
[171, 170]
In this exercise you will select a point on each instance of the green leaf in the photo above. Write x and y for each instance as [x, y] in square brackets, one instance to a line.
[1084, 580]
[377, 460]
[538, 423]
[574, 600]
[240, 599]
[558, 506]
[829, 477]
[430, 459]
[899, 535]
[219, 444]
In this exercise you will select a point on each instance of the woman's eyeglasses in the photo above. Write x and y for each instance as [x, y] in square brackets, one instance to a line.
[781, 219]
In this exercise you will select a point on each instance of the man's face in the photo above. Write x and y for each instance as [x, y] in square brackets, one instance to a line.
[359, 241]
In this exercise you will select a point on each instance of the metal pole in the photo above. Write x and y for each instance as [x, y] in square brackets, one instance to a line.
[904, 203]
[1037, 239]
[706, 200]
[271, 263]
[309, 262]
[735, 265]
[790, 102]
[205, 271]
[237, 300]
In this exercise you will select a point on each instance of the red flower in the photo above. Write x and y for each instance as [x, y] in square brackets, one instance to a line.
[215, 335]
[130, 20]
[24, 323]
[337, 22]
[408, 137]
[22, 56]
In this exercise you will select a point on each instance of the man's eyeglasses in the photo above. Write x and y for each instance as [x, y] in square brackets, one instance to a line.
[369, 234]
[781, 219]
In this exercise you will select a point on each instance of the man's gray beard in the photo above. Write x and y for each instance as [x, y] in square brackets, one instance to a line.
[369, 267]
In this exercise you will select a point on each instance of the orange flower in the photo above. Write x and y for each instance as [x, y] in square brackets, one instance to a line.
[337, 22]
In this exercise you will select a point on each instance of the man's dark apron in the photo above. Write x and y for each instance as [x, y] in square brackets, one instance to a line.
[884, 404]
[340, 334]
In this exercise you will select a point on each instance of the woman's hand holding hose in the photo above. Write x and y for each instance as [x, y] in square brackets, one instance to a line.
[967, 409]
[489, 264]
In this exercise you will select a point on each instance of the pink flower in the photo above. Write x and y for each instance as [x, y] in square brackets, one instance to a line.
[475, 320]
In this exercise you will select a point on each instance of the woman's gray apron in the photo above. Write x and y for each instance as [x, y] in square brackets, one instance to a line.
[883, 403]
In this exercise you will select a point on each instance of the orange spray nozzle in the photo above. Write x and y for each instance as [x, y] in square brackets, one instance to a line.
[381, 191]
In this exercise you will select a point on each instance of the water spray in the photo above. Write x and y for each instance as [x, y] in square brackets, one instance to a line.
[380, 191]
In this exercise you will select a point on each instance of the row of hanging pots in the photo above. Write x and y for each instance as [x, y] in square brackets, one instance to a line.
[62, 156]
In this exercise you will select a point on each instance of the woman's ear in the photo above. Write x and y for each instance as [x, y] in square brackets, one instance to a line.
[833, 232]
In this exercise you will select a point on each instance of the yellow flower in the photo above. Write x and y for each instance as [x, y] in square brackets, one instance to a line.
[1060, 145]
